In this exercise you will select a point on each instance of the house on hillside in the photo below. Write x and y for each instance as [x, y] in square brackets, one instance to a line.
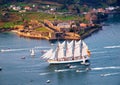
[28, 8]
[101, 10]
[21, 11]
[64, 26]
[16, 8]
[83, 25]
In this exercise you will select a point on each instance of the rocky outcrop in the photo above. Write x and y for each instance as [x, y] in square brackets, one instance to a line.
[5, 29]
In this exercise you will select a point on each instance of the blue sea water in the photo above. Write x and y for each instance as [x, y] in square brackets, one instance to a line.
[20, 68]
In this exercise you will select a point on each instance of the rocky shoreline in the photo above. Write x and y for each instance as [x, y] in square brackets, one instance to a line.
[5, 29]
[36, 36]
[91, 32]
[27, 35]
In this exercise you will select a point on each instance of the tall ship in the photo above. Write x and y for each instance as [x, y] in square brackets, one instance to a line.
[68, 52]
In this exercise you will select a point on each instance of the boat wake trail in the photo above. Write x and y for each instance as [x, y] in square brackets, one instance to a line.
[93, 49]
[62, 70]
[31, 71]
[99, 52]
[41, 47]
[55, 71]
[110, 74]
[44, 73]
[21, 49]
[104, 68]
[8, 50]
[114, 46]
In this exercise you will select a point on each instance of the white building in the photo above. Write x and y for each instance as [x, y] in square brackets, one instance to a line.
[63, 25]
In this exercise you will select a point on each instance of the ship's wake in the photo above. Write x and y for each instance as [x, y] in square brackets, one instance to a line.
[99, 52]
[114, 46]
[42, 74]
[9, 50]
[110, 74]
[23, 49]
[105, 68]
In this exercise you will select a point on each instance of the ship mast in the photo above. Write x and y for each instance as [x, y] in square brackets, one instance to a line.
[81, 45]
[73, 46]
[82, 56]
[66, 47]
[73, 50]
[58, 47]
[57, 51]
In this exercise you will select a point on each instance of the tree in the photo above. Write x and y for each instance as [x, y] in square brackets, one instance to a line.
[110, 2]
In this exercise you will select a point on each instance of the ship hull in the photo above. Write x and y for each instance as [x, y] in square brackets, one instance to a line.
[66, 62]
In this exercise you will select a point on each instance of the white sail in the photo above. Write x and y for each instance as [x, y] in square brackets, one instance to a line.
[60, 50]
[62, 44]
[77, 49]
[32, 52]
[48, 54]
[53, 56]
[84, 52]
[84, 49]
[69, 49]
[84, 45]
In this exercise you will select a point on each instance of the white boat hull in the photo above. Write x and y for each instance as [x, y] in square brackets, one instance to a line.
[66, 62]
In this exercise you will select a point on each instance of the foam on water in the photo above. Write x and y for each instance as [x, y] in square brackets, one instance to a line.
[114, 46]
[44, 73]
[41, 47]
[61, 70]
[19, 49]
[104, 68]
[31, 71]
[93, 49]
[22, 49]
[73, 67]
[109, 74]
[80, 71]
[99, 52]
